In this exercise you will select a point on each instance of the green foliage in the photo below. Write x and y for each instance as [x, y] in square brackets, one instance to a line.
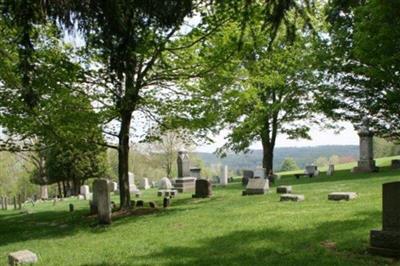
[384, 148]
[289, 164]
[321, 162]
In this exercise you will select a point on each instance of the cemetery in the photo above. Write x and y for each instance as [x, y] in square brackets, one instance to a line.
[199, 132]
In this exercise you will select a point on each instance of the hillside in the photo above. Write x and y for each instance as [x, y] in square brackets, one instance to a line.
[302, 155]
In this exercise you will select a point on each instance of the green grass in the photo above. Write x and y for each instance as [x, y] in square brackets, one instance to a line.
[227, 229]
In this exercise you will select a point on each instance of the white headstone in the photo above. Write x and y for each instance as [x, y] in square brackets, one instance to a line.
[331, 169]
[131, 178]
[224, 176]
[164, 183]
[85, 191]
[144, 183]
[44, 194]
[113, 186]
[311, 170]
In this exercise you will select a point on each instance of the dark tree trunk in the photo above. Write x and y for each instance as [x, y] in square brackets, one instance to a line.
[64, 189]
[268, 157]
[123, 160]
[59, 189]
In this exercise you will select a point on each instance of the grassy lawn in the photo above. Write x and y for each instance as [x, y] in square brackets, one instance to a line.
[227, 229]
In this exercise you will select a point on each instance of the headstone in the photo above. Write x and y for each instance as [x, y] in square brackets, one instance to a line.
[167, 193]
[144, 183]
[386, 242]
[164, 183]
[203, 189]
[183, 162]
[366, 163]
[395, 164]
[100, 189]
[132, 186]
[166, 202]
[331, 170]
[256, 186]
[85, 191]
[22, 257]
[112, 186]
[152, 205]
[260, 172]
[44, 193]
[311, 170]
[154, 184]
[247, 174]
[131, 177]
[292, 197]
[195, 172]
[342, 196]
[284, 189]
[224, 176]
[185, 184]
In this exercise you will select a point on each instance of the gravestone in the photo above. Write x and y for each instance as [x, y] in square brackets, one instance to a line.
[311, 170]
[195, 172]
[85, 191]
[395, 164]
[164, 183]
[366, 162]
[132, 186]
[260, 173]
[144, 183]
[284, 189]
[153, 204]
[166, 202]
[386, 242]
[185, 184]
[183, 162]
[103, 202]
[342, 196]
[113, 186]
[331, 170]
[256, 186]
[22, 257]
[247, 174]
[224, 176]
[44, 193]
[203, 189]
[292, 197]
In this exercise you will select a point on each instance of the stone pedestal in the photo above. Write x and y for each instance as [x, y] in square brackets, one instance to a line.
[101, 190]
[224, 176]
[203, 189]
[185, 184]
[256, 186]
[366, 163]
[183, 162]
[386, 242]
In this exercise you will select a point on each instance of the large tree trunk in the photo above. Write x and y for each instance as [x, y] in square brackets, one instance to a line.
[123, 160]
[268, 157]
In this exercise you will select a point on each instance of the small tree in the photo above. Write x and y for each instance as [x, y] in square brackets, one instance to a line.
[289, 164]
[321, 161]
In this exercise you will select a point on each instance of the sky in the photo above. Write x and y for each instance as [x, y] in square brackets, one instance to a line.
[348, 136]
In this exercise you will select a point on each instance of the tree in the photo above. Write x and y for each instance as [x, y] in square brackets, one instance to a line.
[321, 161]
[359, 64]
[263, 91]
[289, 164]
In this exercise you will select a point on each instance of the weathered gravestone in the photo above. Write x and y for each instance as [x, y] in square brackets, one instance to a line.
[284, 189]
[85, 191]
[144, 183]
[132, 186]
[311, 170]
[203, 189]
[103, 202]
[331, 170]
[395, 164]
[113, 186]
[224, 176]
[366, 163]
[22, 257]
[256, 186]
[164, 183]
[292, 197]
[386, 242]
[247, 174]
[337, 196]
[183, 162]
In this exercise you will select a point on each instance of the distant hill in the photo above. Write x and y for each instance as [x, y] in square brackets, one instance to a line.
[302, 155]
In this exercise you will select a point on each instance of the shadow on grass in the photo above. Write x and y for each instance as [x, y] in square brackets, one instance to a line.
[274, 246]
